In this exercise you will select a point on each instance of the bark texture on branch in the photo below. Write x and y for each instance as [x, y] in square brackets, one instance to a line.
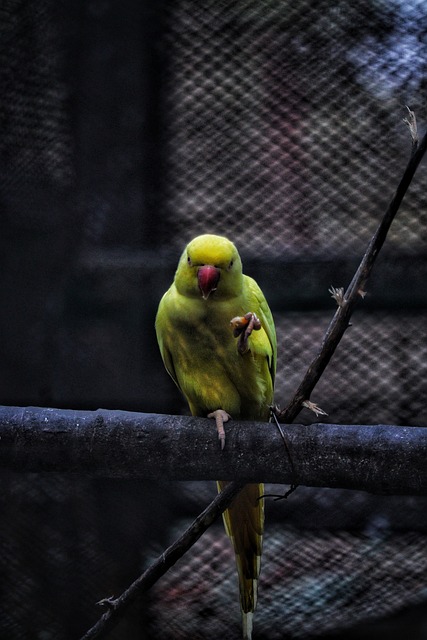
[376, 458]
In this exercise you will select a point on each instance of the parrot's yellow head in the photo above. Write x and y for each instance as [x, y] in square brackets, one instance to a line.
[209, 267]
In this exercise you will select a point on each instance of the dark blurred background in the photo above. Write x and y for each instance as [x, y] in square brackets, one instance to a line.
[127, 128]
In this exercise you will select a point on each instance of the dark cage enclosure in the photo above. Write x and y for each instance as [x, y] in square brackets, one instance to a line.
[128, 128]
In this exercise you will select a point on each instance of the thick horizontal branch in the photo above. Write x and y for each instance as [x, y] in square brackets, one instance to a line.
[374, 458]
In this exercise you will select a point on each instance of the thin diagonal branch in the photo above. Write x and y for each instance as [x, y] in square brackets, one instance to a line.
[118, 606]
[355, 290]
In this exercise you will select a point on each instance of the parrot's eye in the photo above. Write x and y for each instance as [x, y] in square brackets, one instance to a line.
[231, 264]
[189, 261]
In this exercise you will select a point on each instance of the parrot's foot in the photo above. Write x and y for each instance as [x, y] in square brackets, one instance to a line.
[220, 416]
[242, 329]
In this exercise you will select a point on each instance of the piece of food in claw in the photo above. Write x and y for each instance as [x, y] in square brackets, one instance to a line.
[239, 323]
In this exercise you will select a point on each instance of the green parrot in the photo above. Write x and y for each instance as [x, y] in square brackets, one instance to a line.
[218, 342]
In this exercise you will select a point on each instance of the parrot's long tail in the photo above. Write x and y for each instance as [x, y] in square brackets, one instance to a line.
[247, 625]
[244, 524]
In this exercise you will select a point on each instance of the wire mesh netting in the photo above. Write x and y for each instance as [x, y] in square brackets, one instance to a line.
[332, 561]
[279, 125]
[36, 138]
[312, 583]
[384, 353]
[284, 124]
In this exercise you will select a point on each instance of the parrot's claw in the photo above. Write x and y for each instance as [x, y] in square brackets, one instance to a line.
[242, 329]
[220, 416]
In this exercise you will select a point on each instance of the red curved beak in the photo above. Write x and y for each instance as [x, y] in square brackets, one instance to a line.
[208, 278]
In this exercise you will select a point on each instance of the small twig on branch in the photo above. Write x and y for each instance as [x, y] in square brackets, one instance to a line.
[411, 122]
[357, 287]
[116, 607]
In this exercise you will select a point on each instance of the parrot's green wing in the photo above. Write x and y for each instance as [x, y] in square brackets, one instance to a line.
[165, 333]
[265, 343]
